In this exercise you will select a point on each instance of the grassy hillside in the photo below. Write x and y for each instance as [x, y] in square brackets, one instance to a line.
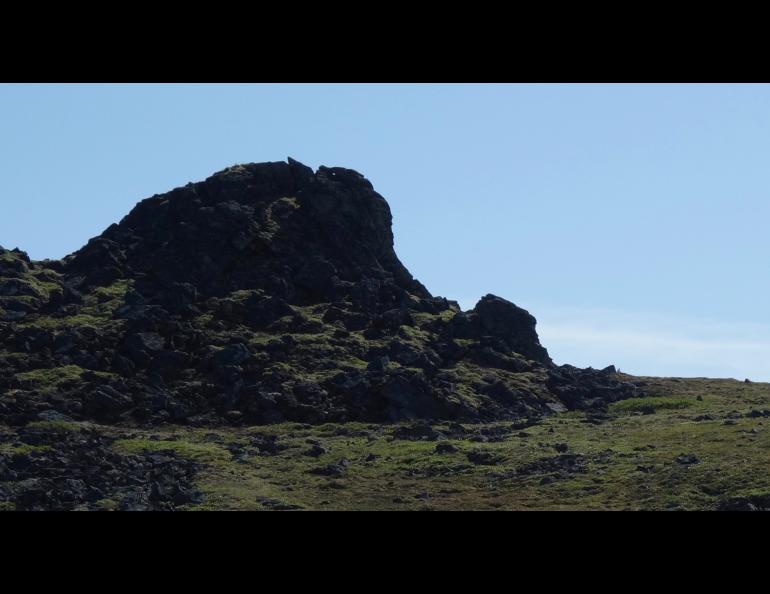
[691, 444]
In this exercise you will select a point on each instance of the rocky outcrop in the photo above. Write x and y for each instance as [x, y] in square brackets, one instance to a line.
[267, 292]
[298, 236]
[588, 388]
[495, 317]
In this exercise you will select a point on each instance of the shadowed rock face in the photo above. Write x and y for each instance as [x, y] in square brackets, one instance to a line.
[300, 236]
[498, 317]
[265, 293]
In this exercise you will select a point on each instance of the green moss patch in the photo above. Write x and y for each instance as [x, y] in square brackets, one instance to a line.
[51, 323]
[53, 376]
[208, 453]
[57, 376]
[55, 426]
[116, 290]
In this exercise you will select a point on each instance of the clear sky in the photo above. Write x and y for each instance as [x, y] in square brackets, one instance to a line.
[631, 220]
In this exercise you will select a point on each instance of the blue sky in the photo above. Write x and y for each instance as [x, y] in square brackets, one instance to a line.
[631, 220]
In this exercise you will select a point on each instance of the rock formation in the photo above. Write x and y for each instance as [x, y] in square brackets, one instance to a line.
[265, 293]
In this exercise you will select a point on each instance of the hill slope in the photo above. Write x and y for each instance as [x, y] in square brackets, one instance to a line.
[252, 341]
[691, 445]
[265, 293]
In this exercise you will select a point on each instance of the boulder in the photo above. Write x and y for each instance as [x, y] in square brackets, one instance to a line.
[501, 318]
[234, 354]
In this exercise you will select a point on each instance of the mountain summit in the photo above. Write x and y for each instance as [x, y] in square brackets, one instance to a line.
[267, 292]
[298, 235]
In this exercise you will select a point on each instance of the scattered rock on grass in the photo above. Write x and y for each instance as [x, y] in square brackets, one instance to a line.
[446, 448]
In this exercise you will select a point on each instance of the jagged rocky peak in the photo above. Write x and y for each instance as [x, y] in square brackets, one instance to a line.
[267, 292]
[279, 227]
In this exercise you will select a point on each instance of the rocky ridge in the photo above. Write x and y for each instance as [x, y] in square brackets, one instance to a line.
[266, 293]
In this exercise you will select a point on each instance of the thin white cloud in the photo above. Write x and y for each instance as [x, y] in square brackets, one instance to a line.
[653, 344]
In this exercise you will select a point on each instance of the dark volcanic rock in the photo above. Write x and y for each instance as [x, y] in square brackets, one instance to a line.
[687, 459]
[266, 293]
[77, 469]
[334, 470]
[485, 458]
[588, 388]
[561, 464]
[252, 226]
[106, 401]
[751, 503]
[515, 326]
[418, 432]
